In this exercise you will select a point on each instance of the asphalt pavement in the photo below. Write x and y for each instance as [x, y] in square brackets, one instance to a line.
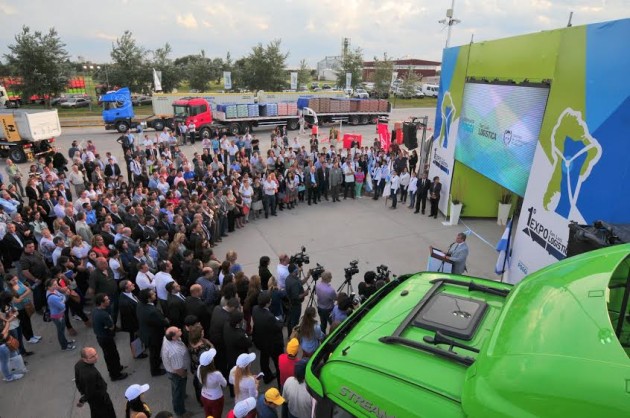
[333, 234]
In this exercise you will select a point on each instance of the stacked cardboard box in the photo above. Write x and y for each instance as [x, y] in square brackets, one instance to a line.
[324, 105]
[382, 105]
[242, 111]
[253, 110]
[292, 108]
[282, 109]
[314, 104]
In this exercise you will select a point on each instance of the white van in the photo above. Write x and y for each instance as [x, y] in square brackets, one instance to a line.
[430, 90]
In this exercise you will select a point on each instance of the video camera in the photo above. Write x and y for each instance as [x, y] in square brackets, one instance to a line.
[316, 272]
[300, 258]
[382, 273]
[353, 269]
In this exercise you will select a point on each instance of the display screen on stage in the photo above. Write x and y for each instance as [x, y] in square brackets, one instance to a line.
[498, 131]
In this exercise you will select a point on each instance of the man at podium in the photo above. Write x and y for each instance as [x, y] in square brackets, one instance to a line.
[456, 255]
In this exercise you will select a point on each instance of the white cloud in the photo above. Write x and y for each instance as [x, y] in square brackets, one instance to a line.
[188, 21]
[308, 30]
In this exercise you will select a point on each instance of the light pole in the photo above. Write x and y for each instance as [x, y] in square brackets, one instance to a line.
[449, 21]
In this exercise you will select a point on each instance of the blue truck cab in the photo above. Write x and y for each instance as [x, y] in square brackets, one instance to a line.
[118, 113]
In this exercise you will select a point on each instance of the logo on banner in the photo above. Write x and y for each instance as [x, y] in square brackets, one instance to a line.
[467, 125]
[507, 137]
[440, 162]
[574, 154]
[484, 130]
[544, 236]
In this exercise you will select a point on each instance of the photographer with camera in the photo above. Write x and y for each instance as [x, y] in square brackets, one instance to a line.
[368, 286]
[295, 294]
[326, 296]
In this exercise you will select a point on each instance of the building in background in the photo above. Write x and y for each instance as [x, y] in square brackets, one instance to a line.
[427, 71]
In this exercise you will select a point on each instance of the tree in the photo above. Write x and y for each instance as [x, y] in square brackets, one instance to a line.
[265, 68]
[198, 70]
[304, 74]
[41, 60]
[171, 74]
[408, 86]
[351, 62]
[130, 67]
[383, 70]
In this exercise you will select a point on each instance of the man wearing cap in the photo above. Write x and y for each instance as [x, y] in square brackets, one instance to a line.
[286, 362]
[267, 403]
[176, 362]
[92, 386]
[298, 399]
[243, 409]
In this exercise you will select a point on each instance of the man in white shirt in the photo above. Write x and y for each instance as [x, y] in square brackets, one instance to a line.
[294, 391]
[176, 362]
[144, 279]
[282, 271]
[162, 278]
[270, 188]
[348, 173]
[393, 186]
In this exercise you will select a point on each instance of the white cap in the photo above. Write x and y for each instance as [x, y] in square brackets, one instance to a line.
[207, 357]
[245, 360]
[244, 407]
[134, 391]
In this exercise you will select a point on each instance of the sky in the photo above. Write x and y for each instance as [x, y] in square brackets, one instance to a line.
[309, 30]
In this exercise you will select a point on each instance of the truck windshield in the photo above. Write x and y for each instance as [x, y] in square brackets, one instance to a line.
[181, 111]
[109, 105]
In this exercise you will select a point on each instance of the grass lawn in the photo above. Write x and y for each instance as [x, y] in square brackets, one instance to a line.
[398, 103]
[145, 110]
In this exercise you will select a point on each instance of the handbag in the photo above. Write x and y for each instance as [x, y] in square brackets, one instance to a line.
[245, 210]
[16, 365]
[29, 308]
[12, 343]
[136, 347]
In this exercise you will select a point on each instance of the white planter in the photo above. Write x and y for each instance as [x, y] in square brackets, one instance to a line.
[504, 213]
[456, 210]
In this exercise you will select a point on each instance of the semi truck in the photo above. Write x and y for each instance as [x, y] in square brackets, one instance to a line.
[238, 113]
[433, 344]
[28, 134]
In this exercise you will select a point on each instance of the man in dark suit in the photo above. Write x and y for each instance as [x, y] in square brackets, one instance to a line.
[323, 178]
[267, 336]
[220, 317]
[48, 206]
[176, 305]
[422, 193]
[196, 306]
[107, 235]
[434, 195]
[310, 181]
[12, 246]
[151, 326]
[69, 219]
[127, 308]
[112, 169]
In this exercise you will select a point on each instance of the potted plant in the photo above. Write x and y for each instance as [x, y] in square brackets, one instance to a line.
[456, 202]
[505, 205]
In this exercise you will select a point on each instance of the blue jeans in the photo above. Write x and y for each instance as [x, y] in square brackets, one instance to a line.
[60, 323]
[178, 392]
[5, 354]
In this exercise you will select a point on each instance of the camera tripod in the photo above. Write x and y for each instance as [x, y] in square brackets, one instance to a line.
[347, 285]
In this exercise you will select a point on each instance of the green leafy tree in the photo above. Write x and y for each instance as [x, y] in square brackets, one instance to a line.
[382, 75]
[304, 73]
[41, 60]
[265, 68]
[171, 74]
[409, 83]
[198, 70]
[130, 67]
[351, 62]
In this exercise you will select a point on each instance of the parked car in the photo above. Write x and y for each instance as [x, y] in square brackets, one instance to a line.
[314, 86]
[75, 102]
[418, 93]
[303, 88]
[326, 87]
[141, 100]
[347, 92]
[403, 93]
[361, 94]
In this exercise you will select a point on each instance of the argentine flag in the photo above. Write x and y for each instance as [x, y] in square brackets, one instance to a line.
[503, 247]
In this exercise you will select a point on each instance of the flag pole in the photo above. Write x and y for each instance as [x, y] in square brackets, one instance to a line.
[507, 249]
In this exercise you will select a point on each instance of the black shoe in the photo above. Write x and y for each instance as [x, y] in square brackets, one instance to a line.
[269, 379]
[415, 211]
[162, 372]
[143, 355]
[121, 376]
[274, 214]
[422, 212]
[27, 353]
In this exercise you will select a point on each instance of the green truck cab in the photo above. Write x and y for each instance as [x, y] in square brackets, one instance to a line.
[440, 345]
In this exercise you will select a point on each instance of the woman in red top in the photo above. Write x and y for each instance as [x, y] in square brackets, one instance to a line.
[99, 247]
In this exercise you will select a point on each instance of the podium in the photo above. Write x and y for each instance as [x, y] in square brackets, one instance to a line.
[437, 262]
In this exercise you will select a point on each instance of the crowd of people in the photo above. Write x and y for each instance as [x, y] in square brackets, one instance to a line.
[140, 254]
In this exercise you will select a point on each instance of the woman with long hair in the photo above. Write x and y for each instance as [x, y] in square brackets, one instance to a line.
[136, 407]
[263, 272]
[22, 300]
[197, 345]
[251, 300]
[99, 247]
[212, 382]
[241, 376]
[277, 296]
[310, 333]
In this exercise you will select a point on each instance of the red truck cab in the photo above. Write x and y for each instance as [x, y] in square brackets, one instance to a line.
[195, 110]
